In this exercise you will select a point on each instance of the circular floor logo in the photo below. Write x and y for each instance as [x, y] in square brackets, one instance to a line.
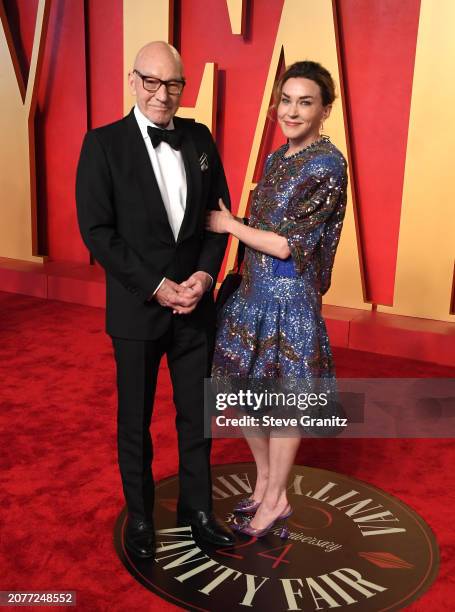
[351, 546]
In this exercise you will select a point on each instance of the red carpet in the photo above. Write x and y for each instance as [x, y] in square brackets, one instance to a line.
[60, 487]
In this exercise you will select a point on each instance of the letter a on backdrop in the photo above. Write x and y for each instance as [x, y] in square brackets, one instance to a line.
[307, 30]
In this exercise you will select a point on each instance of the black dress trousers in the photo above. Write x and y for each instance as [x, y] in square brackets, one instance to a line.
[189, 352]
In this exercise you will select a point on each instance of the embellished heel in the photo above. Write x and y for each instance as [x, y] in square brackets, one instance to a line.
[284, 531]
[246, 528]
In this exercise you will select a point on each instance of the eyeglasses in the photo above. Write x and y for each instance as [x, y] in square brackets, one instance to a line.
[152, 84]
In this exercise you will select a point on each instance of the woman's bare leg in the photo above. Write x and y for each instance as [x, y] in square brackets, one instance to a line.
[259, 446]
[282, 453]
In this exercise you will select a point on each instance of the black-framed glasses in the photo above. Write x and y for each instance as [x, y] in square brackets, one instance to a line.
[152, 84]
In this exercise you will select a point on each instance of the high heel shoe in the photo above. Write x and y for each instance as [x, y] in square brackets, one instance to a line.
[246, 506]
[246, 528]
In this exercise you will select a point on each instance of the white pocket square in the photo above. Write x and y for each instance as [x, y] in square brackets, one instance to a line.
[203, 162]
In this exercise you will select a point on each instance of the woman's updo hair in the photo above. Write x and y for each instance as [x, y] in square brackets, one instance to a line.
[307, 70]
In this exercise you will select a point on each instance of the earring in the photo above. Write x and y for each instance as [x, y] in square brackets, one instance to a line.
[321, 131]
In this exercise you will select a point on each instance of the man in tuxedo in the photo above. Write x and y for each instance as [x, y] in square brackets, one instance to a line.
[144, 186]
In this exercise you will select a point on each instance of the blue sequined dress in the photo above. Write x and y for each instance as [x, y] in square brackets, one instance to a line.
[272, 327]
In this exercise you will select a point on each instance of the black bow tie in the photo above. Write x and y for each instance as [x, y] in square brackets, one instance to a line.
[172, 137]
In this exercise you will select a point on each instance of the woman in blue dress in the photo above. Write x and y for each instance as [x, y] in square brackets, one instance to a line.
[272, 327]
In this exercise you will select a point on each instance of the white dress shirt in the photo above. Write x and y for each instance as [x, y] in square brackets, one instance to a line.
[169, 169]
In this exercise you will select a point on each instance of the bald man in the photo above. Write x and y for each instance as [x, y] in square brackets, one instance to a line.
[144, 186]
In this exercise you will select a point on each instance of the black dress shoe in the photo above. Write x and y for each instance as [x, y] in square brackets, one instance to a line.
[207, 527]
[140, 538]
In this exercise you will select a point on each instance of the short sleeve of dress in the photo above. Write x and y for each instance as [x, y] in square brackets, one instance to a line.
[318, 205]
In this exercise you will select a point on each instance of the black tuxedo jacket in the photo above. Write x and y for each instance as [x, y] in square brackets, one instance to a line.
[124, 223]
